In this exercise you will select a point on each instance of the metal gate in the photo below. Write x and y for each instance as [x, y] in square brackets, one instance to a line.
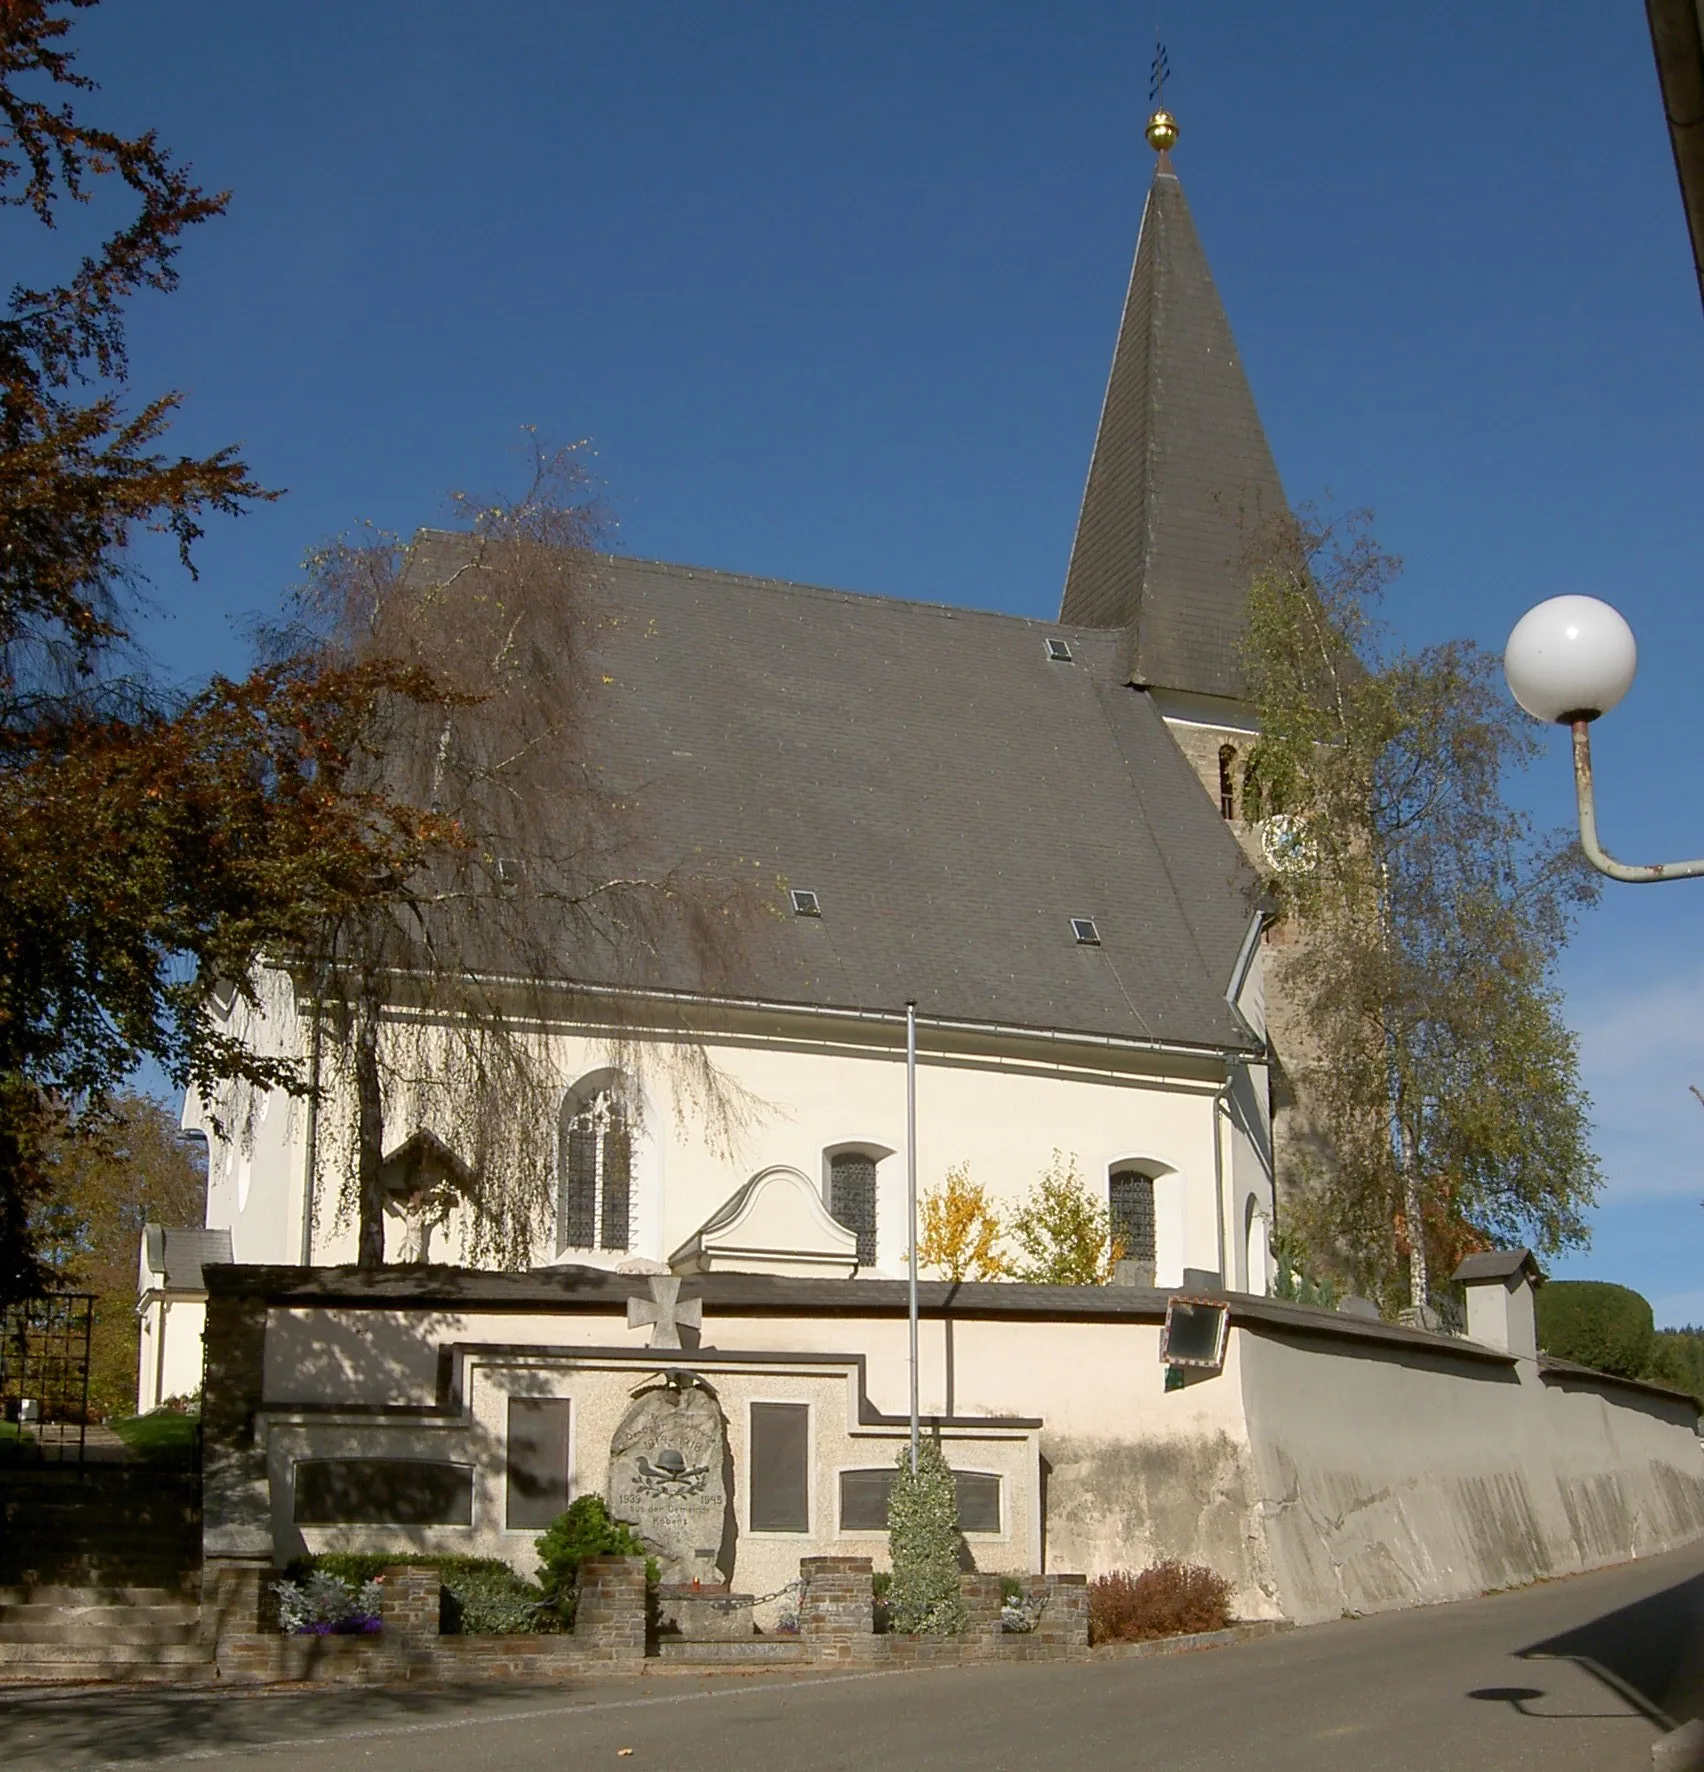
[44, 1376]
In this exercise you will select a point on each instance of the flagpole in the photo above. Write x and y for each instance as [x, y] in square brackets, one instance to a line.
[911, 1199]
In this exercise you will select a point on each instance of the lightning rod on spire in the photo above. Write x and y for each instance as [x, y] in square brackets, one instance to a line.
[1162, 125]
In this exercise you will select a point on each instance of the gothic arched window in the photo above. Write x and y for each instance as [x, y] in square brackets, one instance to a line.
[1130, 1194]
[1227, 781]
[852, 1199]
[594, 1189]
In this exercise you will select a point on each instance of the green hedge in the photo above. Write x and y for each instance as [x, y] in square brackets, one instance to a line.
[1600, 1325]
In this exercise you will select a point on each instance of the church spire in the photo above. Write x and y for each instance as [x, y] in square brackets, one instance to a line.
[1181, 482]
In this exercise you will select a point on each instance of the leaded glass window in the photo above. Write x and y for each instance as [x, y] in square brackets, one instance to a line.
[852, 1200]
[1131, 1197]
[594, 1204]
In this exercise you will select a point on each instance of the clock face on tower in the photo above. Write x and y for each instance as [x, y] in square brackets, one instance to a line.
[1284, 843]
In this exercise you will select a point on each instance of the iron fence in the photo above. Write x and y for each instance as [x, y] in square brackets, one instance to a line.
[44, 1376]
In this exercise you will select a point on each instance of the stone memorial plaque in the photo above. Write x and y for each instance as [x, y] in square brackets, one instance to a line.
[666, 1477]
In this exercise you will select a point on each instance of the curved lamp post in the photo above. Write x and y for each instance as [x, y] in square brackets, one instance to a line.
[1570, 660]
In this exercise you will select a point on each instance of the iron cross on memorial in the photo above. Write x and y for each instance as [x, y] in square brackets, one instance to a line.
[664, 1311]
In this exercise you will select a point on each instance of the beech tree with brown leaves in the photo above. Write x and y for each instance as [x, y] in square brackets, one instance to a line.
[150, 847]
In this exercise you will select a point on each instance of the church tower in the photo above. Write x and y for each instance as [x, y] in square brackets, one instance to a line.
[1182, 500]
[1182, 491]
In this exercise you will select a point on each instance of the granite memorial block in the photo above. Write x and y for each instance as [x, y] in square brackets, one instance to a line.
[666, 1476]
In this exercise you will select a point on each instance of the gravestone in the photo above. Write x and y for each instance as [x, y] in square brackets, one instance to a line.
[666, 1478]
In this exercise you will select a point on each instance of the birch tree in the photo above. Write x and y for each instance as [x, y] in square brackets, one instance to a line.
[551, 902]
[1426, 916]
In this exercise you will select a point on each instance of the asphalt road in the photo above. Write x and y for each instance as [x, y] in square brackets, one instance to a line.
[1582, 1673]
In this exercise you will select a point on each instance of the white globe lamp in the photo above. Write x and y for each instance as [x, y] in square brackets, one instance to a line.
[1570, 658]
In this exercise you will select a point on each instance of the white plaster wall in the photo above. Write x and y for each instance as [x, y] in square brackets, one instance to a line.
[1319, 1475]
[1131, 1472]
[1003, 1114]
[169, 1361]
[255, 1137]
[1392, 1478]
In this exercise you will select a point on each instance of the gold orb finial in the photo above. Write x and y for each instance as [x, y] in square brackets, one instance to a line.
[1161, 131]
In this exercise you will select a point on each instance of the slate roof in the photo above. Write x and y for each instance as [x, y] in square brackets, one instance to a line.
[953, 797]
[1498, 1264]
[1181, 481]
[177, 1253]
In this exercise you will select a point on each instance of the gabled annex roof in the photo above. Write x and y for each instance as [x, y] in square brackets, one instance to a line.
[173, 1255]
[1181, 483]
[952, 795]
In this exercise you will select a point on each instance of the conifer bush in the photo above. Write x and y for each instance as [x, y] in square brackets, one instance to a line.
[587, 1529]
[923, 1545]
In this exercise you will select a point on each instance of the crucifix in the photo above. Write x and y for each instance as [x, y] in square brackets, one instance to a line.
[664, 1311]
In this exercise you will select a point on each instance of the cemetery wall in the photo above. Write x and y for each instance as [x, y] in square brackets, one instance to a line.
[1397, 1476]
[1331, 1465]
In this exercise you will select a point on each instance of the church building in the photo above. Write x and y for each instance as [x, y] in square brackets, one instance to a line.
[1026, 833]
[1020, 826]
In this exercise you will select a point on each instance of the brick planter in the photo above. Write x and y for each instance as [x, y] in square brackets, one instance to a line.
[981, 1596]
[609, 1617]
[411, 1602]
[837, 1610]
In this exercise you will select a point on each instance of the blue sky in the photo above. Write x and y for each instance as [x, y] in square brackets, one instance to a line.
[832, 291]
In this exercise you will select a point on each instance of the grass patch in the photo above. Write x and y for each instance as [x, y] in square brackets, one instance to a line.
[17, 1444]
[163, 1437]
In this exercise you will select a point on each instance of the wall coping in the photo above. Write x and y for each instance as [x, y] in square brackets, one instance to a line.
[569, 1289]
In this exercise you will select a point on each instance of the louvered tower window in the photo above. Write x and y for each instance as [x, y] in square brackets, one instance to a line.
[1131, 1196]
[594, 1204]
[852, 1200]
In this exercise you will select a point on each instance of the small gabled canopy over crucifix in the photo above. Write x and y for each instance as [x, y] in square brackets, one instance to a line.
[421, 1179]
[665, 1311]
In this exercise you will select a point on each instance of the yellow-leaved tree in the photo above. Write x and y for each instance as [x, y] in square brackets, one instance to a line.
[961, 1230]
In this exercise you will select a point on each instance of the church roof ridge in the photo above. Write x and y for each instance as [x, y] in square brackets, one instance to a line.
[763, 582]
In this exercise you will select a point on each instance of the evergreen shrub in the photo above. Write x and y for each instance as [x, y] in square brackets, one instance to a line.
[586, 1530]
[923, 1545]
[1171, 1599]
[1597, 1324]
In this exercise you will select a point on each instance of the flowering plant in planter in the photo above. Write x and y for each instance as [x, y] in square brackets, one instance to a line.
[327, 1606]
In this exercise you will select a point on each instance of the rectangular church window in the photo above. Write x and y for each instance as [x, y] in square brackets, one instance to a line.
[779, 1485]
[538, 1460]
[383, 1492]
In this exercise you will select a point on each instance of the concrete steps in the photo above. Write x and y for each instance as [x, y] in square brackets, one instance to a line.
[745, 1652]
[55, 1634]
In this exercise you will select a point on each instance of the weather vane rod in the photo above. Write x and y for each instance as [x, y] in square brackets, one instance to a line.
[1159, 74]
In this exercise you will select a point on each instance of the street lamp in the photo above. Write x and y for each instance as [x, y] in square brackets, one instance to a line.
[1570, 660]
